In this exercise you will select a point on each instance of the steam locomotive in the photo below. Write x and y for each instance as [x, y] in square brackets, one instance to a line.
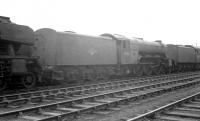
[17, 66]
[28, 57]
[77, 57]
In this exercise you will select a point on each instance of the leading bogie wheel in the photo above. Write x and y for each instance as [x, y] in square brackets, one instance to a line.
[3, 84]
[29, 80]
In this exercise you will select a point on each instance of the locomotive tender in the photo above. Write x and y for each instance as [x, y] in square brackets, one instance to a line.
[16, 63]
[183, 58]
[79, 57]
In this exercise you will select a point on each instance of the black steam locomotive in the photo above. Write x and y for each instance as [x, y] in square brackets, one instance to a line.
[17, 66]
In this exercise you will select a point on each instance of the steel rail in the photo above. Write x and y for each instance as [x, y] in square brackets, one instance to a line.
[120, 95]
[83, 85]
[7, 99]
[163, 108]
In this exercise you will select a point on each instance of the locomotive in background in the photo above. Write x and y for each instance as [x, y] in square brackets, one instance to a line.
[77, 57]
[183, 57]
[16, 64]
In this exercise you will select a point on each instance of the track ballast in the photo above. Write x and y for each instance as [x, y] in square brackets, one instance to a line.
[61, 104]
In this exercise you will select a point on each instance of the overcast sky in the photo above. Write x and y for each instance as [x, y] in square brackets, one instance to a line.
[172, 21]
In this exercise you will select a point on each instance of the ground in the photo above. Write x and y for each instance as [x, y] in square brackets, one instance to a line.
[131, 110]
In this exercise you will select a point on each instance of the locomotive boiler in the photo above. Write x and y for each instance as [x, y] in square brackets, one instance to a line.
[84, 58]
[16, 64]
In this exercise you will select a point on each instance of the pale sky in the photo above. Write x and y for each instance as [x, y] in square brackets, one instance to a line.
[172, 21]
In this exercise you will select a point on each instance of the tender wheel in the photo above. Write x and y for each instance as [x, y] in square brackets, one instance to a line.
[29, 80]
[3, 84]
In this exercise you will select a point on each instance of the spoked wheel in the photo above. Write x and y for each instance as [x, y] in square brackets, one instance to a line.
[29, 80]
[3, 84]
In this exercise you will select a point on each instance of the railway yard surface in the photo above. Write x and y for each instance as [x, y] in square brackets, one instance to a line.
[131, 110]
[119, 100]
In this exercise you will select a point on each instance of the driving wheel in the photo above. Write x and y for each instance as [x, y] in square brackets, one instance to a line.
[29, 80]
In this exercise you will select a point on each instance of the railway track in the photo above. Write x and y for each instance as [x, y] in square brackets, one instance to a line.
[40, 87]
[14, 91]
[186, 109]
[62, 104]
[5, 100]
[82, 86]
